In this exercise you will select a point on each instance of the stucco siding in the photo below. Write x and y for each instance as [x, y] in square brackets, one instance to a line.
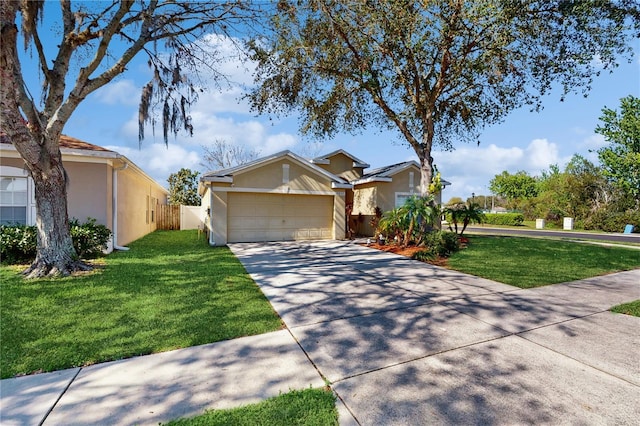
[273, 176]
[365, 199]
[138, 198]
[89, 192]
[341, 165]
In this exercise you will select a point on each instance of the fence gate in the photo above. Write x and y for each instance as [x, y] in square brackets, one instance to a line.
[168, 217]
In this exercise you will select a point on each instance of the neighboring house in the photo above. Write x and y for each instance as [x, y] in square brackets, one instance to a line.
[286, 197]
[102, 184]
[276, 198]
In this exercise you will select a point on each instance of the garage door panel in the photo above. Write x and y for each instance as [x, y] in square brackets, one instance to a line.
[278, 217]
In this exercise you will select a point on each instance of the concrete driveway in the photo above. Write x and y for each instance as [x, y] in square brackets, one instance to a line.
[403, 342]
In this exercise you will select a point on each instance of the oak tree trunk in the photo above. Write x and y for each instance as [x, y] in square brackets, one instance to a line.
[39, 147]
[56, 254]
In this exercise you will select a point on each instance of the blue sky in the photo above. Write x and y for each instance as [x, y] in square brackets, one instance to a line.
[525, 141]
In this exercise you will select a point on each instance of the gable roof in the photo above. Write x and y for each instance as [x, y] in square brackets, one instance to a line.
[386, 173]
[79, 149]
[69, 145]
[226, 175]
[324, 159]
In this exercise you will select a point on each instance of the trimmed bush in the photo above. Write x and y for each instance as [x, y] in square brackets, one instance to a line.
[18, 244]
[424, 255]
[90, 239]
[511, 219]
[440, 243]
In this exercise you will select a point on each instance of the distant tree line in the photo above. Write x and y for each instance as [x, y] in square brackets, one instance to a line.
[604, 196]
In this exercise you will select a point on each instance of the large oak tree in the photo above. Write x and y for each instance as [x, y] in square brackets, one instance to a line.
[96, 42]
[435, 71]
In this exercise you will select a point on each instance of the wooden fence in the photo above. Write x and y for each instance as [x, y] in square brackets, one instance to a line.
[168, 217]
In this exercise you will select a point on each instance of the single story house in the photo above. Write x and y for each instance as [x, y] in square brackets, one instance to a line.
[103, 185]
[286, 197]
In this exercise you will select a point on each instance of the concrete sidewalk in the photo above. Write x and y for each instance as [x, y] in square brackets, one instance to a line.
[404, 342]
[161, 387]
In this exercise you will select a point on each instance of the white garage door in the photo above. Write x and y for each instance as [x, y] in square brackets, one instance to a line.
[278, 217]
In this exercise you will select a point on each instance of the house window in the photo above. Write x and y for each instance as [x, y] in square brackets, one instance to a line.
[285, 173]
[147, 214]
[401, 198]
[153, 210]
[411, 184]
[13, 201]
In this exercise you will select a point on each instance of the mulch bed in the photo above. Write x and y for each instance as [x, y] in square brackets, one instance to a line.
[410, 250]
[407, 252]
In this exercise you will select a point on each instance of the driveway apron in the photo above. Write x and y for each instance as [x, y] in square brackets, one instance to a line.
[404, 342]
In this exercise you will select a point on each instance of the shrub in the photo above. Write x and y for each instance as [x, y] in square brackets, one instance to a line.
[90, 239]
[424, 255]
[441, 243]
[608, 221]
[512, 219]
[18, 244]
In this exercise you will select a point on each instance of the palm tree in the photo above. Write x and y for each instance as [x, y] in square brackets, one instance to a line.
[420, 211]
[393, 222]
[465, 213]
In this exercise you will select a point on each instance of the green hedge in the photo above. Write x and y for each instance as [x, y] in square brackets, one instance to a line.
[607, 221]
[18, 244]
[512, 219]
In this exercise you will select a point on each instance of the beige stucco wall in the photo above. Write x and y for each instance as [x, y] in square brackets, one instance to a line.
[12, 162]
[135, 210]
[365, 198]
[89, 192]
[341, 165]
[219, 212]
[382, 194]
[270, 176]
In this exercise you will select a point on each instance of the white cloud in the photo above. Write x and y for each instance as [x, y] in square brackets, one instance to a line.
[158, 160]
[539, 154]
[120, 92]
[279, 142]
[470, 169]
[593, 142]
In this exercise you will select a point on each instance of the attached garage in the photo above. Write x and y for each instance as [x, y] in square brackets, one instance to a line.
[278, 217]
[278, 198]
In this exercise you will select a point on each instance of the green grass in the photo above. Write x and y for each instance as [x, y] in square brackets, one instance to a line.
[533, 262]
[171, 290]
[631, 308]
[306, 407]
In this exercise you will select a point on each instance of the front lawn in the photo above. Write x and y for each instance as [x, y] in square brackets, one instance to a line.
[171, 290]
[533, 262]
[305, 407]
[631, 308]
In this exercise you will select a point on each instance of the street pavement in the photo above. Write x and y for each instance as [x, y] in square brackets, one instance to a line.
[604, 237]
[401, 342]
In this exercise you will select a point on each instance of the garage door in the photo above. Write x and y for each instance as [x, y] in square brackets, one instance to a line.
[278, 217]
